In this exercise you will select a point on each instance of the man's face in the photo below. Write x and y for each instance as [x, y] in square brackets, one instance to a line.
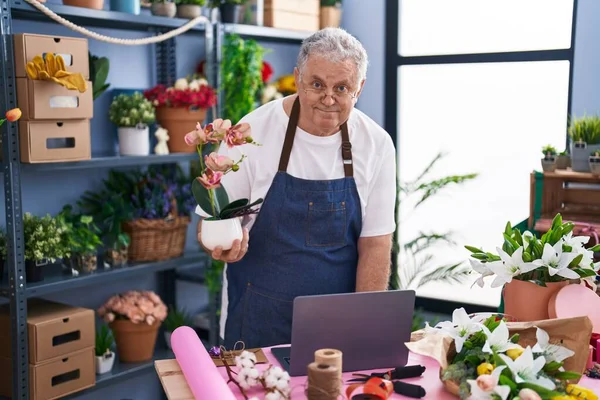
[327, 92]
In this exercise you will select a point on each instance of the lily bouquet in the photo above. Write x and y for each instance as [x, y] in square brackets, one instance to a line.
[207, 189]
[555, 257]
[491, 364]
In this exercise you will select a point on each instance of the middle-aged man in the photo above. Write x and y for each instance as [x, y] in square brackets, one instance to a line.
[327, 173]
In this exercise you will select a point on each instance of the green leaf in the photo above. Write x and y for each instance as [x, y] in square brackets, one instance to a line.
[510, 240]
[202, 197]
[584, 273]
[508, 228]
[576, 261]
[507, 381]
[557, 221]
[596, 248]
[542, 391]
[527, 257]
[231, 211]
[552, 366]
[518, 237]
[567, 375]
[473, 249]
[233, 205]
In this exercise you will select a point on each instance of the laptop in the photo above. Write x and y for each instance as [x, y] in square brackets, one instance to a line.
[369, 328]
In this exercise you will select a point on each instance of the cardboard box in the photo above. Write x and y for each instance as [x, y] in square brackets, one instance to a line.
[54, 330]
[73, 50]
[40, 100]
[56, 378]
[55, 141]
[309, 7]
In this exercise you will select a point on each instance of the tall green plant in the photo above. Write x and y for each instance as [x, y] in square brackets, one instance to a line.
[242, 78]
[420, 267]
[585, 129]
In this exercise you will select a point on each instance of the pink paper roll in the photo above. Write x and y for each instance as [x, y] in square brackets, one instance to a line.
[200, 371]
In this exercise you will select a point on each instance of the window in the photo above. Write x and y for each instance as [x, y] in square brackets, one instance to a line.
[488, 85]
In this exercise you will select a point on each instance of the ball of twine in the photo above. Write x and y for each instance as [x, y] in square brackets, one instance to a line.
[323, 382]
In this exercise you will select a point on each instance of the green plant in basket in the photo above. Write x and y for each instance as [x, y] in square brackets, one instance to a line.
[555, 257]
[491, 364]
[131, 111]
[104, 341]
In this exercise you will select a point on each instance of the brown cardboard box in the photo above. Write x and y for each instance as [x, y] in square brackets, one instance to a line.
[73, 50]
[54, 141]
[54, 330]
[48, 100]
[55, 378]
[300, 15]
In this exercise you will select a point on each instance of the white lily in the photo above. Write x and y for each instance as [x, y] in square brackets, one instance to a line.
[526, 369]
[576, 242]
[486, 387]
[551, 352]
[557, 262]
[509, 267]
[481, 268]
[498, 340]
[460, 328]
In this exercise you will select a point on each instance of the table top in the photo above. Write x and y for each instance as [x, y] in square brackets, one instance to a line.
[176, 387]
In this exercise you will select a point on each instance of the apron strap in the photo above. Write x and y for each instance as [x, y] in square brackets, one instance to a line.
[291, 133]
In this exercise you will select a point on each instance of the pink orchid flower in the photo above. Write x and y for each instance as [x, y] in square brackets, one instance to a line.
[216, 131]
[196, 137]
[210, 179]
[238, 135]
[217, 162]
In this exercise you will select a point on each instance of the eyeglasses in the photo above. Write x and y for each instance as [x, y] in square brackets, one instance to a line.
[317, 91]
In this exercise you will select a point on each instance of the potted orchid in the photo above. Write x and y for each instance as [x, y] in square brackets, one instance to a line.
[223, 225]
[549, 160]
[491, 360]
[533, 269]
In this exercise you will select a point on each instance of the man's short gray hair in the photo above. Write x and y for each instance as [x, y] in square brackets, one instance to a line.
[336, 45]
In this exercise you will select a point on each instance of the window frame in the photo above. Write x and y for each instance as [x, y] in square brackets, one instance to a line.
[393, 61]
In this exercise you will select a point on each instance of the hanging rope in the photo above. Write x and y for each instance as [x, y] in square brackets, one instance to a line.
[128, 42]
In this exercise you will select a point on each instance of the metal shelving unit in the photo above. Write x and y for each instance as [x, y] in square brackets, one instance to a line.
[16, 289]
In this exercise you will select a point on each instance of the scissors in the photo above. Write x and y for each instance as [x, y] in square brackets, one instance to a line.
[386, 378]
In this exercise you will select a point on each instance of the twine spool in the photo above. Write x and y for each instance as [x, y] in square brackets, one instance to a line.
[331, 357]
[324, 382]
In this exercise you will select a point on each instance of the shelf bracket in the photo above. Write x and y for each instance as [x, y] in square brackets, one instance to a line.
[14, 216]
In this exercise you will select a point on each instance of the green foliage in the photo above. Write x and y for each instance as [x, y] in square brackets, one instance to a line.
[99, 67]
[128, 111]
[330, 3]
[585, 129]
[104, 341]
[81, 233]
[213, 276]
[549, 150]
[177, 318]
[44, 238]
[420, 267]
[533, 248]
[190, 2]
[241, 70]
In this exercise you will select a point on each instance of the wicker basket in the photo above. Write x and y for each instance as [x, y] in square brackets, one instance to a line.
[156, 239]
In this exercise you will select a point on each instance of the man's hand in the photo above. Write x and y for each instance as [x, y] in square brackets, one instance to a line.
[236, 253]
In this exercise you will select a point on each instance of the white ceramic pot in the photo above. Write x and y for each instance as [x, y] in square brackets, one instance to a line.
[549, 165]
[168, 339]
[105, 363]
[134, 141]
[222, 232]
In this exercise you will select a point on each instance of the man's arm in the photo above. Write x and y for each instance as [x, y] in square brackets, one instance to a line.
[374, 259]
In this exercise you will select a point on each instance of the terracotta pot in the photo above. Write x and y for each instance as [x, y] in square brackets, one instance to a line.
[526, 301]
[164, 9]
[178, 122]
[94, 4]
[135, 342]
[330, 17]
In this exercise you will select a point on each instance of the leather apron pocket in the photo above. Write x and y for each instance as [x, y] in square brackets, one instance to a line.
[326, 224]
[267, 318]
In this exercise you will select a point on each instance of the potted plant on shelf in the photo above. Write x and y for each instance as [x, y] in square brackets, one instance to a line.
[99, 67]
[584, 133]
[132, 114]
[563, 160]
[93, 4]
[330, 13]
[43, 244]
[180, 107]
[105, 357]
[134, 317]
[174, 320]
[189, 8]
[82, 236]
[533, 269]
[595, 162]
[163, 8]
[229, 9]
[223, 225]
[549, 160]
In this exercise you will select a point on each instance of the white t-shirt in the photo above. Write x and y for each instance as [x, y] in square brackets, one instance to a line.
[315, 158]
